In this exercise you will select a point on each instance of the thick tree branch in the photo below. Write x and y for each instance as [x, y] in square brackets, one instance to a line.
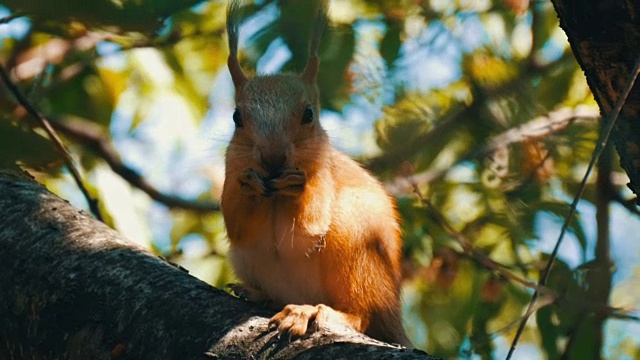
[604, 38]
[72, 288]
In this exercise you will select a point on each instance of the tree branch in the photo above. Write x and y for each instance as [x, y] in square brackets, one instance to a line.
[603, 138]
[537, 128]
[604, 39]
[73, 288]
[94, 138]
[53, 136]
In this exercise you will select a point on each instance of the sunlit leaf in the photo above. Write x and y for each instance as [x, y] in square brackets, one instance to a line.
[114, 83]
[553, 88]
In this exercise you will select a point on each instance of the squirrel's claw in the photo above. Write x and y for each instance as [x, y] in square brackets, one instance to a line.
[290, 183]
[296, 321]
[252, 184]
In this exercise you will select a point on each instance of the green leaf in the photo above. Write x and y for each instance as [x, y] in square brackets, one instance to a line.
[544, 23]
[418, 128]
[390, 43]
[451, 309]
[554, 87]
[336, 53]
[18, 145]
[569, 305]
[548, 331]
[85, 96]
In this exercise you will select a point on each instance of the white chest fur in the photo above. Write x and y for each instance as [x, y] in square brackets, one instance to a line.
[282, 259]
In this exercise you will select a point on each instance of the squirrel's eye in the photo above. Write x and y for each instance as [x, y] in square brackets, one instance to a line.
[237, 119]
[307, 116]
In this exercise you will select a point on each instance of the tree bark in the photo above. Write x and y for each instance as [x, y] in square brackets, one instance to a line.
[72, 288]
[604, 37]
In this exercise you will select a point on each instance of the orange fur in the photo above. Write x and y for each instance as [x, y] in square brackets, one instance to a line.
[309, 229]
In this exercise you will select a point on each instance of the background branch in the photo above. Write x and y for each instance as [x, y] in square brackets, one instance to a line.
[53, 136]
[93, 137]
[537, 128]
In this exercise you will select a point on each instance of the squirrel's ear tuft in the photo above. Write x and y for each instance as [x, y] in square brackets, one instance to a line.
[311, 69]
[238, 76]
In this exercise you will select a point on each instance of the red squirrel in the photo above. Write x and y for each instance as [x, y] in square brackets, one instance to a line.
[310, 230]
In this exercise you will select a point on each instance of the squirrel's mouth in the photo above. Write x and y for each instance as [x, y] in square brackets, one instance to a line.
[283, 180]
[273, 173]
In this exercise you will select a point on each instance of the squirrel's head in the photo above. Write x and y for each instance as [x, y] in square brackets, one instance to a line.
[277, 116]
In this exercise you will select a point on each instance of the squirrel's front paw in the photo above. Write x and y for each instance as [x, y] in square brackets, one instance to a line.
[290, 183]
[251, 183]
[295, 321]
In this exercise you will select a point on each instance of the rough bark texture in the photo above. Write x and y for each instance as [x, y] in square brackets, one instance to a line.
[604, 37]
[71, 288]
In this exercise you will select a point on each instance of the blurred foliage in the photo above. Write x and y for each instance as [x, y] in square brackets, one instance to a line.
[442, 80]
[124, 15]
[22, 146]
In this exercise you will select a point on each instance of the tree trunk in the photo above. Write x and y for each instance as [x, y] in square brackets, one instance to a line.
[72, 288]
[604, 37]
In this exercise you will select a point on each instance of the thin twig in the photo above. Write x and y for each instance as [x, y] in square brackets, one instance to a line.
[468, 248]
[600, 146]
[35, 114]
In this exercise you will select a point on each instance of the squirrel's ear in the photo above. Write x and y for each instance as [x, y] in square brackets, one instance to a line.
[239, 78]
[311, 69]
